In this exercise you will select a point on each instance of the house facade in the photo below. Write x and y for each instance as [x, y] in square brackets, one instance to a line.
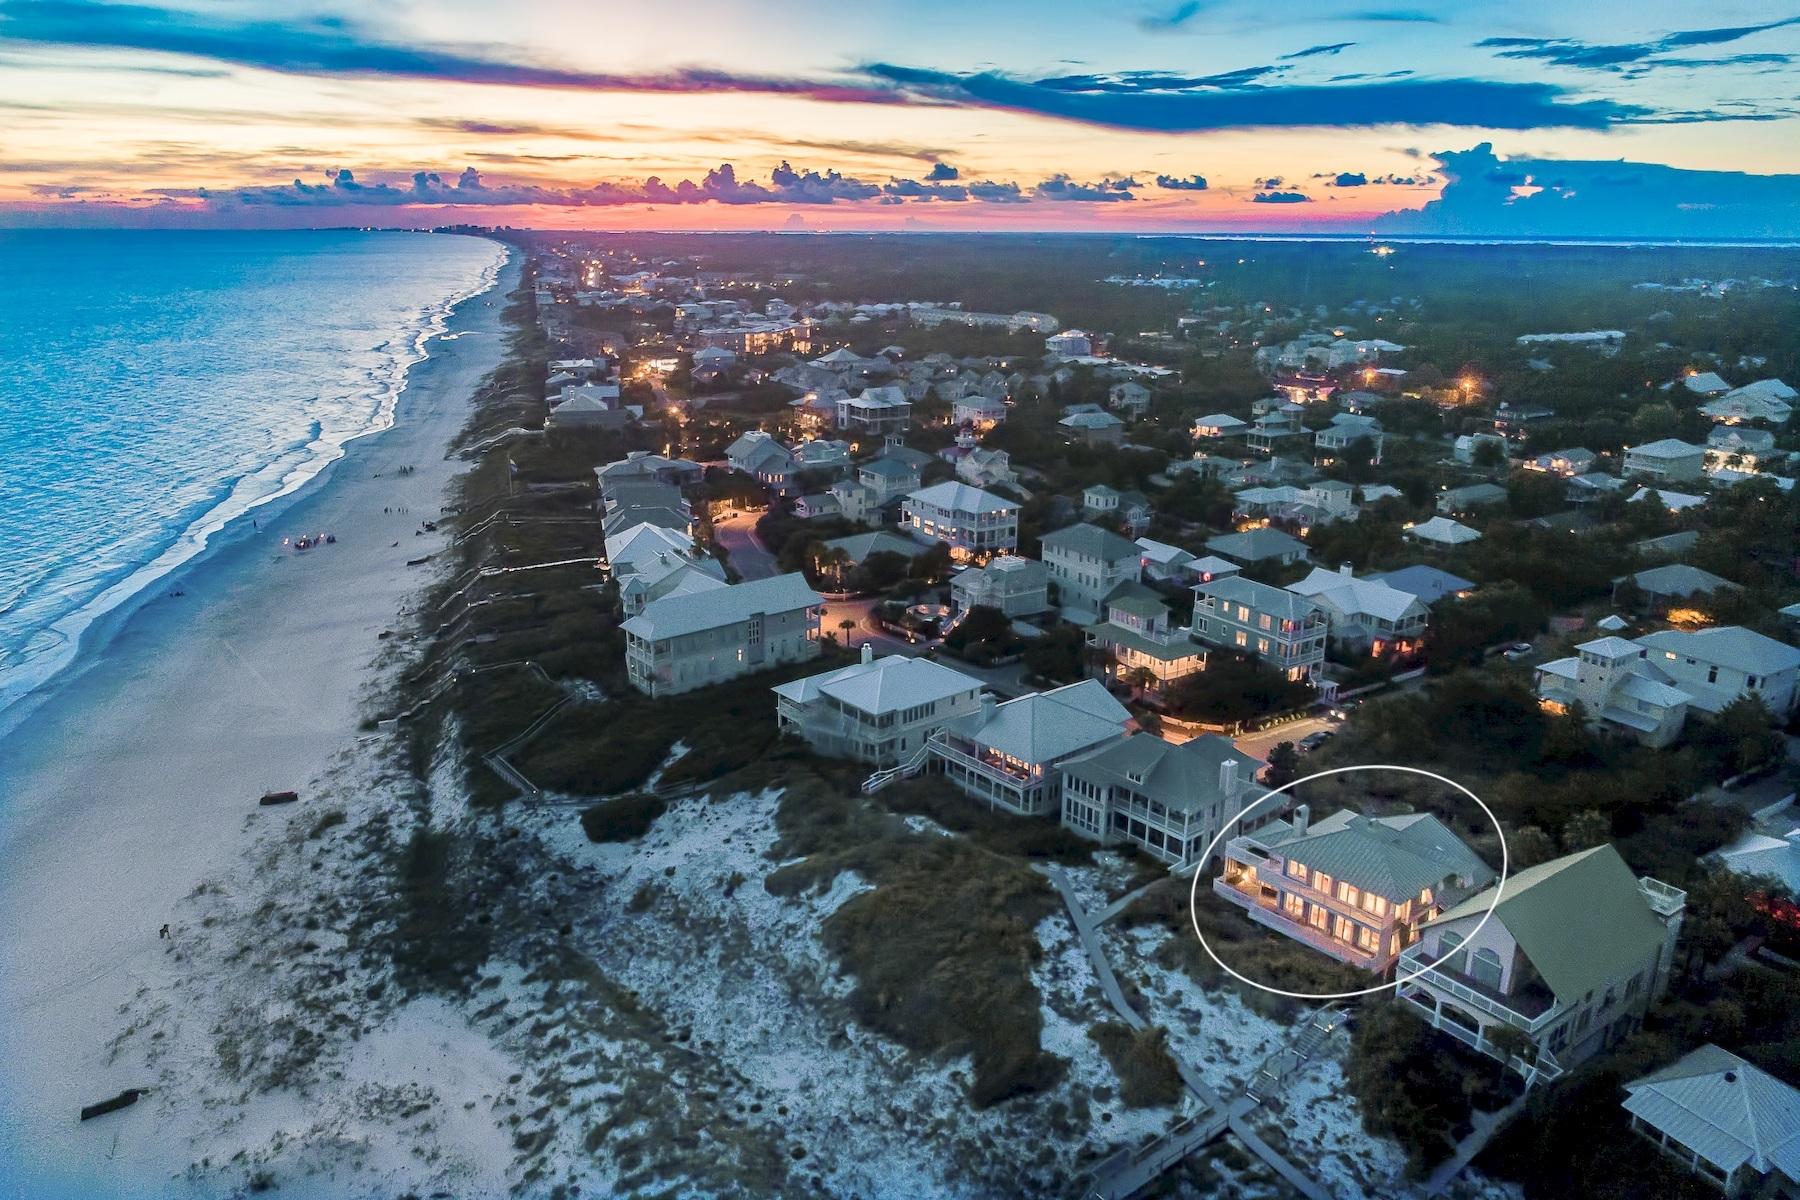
[1135, 645]
[1669, 460]
[1168, 800]
[1087, 562]
[1018, 587]
[1272, 624]
[976, 525]
[766, 460]
[1716, 666]
[680, 643]
[878, 711]
[1563, 965]
[1354, 887]
[1615, 684]
[1366, 615]
[1009, 755]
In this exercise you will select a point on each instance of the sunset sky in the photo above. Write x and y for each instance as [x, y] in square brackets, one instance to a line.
[1533, 118]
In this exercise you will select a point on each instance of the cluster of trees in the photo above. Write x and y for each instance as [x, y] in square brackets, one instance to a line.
[1235, 689]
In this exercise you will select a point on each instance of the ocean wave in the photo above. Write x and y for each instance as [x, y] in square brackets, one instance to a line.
[279, 471]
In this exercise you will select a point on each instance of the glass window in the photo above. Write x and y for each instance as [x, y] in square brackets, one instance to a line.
[1348, 894]
[1296, 870]
[1322, 881]
[1293, 905]
[1484, 968]
[1316, 917]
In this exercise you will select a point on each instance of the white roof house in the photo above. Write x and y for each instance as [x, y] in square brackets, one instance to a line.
[878, 710]
[973, 523]
[1673, 501]
[1007, 753]
[1768, 400]
[693, 639]
[1729, 1120]
[1705, 383]
[1364, 612]
[1442, 531]
[1718, 665]
[1759, 854]
[1614, 681]
[1219, 425]
[695, 614]
[1665, 459]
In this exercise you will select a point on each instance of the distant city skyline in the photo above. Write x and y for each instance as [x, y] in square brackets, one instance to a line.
[1612, 120]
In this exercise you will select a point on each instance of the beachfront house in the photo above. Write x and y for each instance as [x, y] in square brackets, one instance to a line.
[1351, 886]
[878, 711]
[1282, 629]
[1563, 965]
[680, 643]
[649, 562]
[1009, 755]
[1018, 587]
[1087, 562]
[1136, 646]
[1170, 800]
[976, 525]
[1723, 1118]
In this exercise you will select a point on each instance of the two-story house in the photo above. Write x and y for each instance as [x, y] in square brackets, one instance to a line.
[976, 525]
[1136, 647]
[1366, 615]
[1716, 666]
[683, 642]
[648, 562]
[887, 478]
[878, 711]
[1087, 562]
[1009, 755]
[1616, 685]
[1272, 624]
[986, 468]
[1668, 460]
[875, 411]
[1561, 966]
[1351, 886]
[1170, 800]
[1018, 587]
[1346, 430]
[758, 455]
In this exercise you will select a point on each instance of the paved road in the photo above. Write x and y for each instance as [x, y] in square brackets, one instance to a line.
[1259, 743]
[748, 555]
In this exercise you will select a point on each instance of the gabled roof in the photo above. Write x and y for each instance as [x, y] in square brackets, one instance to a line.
[1426, 582]
[676, 616]
[1092, 541]
[960, 497]
[1396, 857]
[1183, 777]
[1730, 646]
[1724, 1109]
[1679, 579]
[890, 468]
[886, 685]
[1256, 545]
[1580, 919]
[1356, 597]
[1043, 727]
[1163, 554]
[1261, 597]
[645, 540]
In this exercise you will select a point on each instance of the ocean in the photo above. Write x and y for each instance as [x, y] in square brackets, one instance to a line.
[157, 386]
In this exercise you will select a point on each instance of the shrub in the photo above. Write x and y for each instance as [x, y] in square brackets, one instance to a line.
[624, 819]
[1140, 1058]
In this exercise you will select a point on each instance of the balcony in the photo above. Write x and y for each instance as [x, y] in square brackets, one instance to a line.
[1264, 912]
[1530, 1011]
[1663, 899]
[999, 770]
[1541, 1067]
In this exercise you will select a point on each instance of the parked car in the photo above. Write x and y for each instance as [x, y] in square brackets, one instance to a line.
[1313, 741]
[1516, 651]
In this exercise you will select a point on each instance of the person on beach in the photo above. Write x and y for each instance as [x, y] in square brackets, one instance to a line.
[163, 933]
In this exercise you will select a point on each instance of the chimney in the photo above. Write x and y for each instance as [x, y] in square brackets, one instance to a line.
[1228, 778]
[1344, 570]
[987, 707]
[1301, 818]
[868, 652]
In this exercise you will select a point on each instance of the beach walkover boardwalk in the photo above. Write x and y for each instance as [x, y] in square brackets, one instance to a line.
[1130, 1173]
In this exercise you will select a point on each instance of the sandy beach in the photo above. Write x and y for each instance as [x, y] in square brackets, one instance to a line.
[139, 777]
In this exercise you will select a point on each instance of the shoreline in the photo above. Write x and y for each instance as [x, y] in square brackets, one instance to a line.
[87, 629]
[136, 775]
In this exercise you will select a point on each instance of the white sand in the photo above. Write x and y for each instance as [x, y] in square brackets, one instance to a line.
[139, 778]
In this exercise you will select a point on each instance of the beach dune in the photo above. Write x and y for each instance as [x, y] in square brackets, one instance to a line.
[140, 776]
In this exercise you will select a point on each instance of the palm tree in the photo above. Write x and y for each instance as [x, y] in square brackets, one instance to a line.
[847, 624]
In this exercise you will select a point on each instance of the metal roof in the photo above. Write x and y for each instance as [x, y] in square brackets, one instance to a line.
[676, 616]
[960, 497]
[885, 685]
[1724, 1109]
[1356, 597]
[1092, 541]
[1277, 602]
[1426, 582]
[1581, 920]
[1396, 857]
[1043, 727]
[1256, 544]
[1183, 777]
[1727, 646]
